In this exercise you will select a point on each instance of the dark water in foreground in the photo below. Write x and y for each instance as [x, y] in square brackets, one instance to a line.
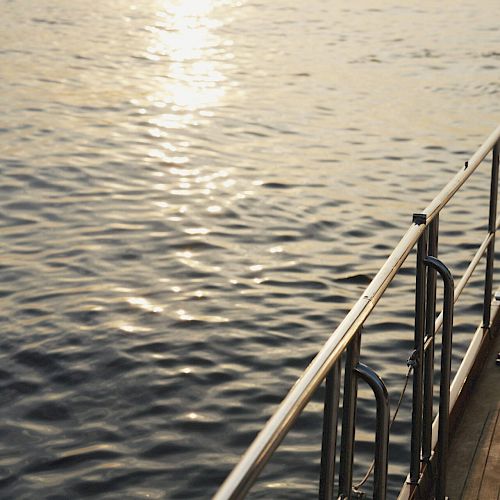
[193, 194]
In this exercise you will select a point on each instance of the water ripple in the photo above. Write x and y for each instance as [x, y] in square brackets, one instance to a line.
[193, 196]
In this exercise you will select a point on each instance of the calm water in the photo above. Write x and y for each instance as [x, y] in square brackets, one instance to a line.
[193, 194]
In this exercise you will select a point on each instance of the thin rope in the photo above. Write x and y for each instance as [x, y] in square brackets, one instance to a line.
[370, 469]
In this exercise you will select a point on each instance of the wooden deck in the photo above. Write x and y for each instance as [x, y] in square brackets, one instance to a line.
[474, 454]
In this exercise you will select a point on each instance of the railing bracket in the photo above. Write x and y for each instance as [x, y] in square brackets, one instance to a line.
[419, 219]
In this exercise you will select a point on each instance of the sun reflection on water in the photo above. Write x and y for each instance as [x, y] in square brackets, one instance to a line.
[192, 55]
[185, 34]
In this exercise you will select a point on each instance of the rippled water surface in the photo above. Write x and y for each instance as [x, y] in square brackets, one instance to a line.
[193, 194]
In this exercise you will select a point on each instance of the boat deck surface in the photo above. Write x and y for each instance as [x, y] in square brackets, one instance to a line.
[474, 453]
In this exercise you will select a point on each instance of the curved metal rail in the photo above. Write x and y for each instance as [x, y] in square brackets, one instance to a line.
[244, 474]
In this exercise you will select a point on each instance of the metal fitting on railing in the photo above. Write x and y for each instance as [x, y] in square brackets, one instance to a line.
[412, 361]
[419, 219]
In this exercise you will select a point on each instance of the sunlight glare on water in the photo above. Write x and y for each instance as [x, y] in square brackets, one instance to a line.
[185, 33]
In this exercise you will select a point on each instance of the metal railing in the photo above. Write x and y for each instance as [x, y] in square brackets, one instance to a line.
[346, 338]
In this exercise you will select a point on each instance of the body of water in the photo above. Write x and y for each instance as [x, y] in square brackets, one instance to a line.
[193, 194]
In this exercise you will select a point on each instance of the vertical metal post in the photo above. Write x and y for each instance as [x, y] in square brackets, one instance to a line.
[490, 256]
[420, 296]
[329, 442]
[430, 321]
[444, 389]
[349, 417]
[382, 430]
